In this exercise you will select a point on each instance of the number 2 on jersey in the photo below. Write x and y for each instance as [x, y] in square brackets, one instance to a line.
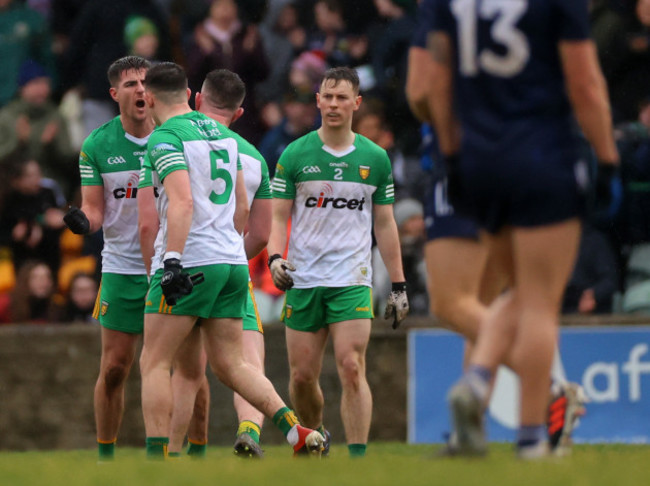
[220, 174]
[506, 14]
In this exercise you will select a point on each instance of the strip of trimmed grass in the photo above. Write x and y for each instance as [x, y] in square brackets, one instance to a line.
[386, 464]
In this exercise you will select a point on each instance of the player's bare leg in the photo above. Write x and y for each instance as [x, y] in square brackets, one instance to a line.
[544, 260]
[187, 378]
[197, 432]
[454, 269]
[118, 353]
[305, 351]
[350, 340]
[250, 419]
[163, 335]
[223, 342]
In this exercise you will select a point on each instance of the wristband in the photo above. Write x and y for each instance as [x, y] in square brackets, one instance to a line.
[272, 258]
[172, 254]
[399, 287]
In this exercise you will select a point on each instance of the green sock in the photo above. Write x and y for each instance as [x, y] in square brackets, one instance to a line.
[106, 449]
[357, 450]
[196, 449]
[250, 428]
[157, 447]
[284, 419]
[173, 455]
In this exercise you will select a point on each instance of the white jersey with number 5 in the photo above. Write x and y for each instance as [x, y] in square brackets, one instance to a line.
[203, 147]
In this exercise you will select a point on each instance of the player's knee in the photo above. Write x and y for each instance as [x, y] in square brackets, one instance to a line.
[351, 371]
[303, 378]
[114, 374]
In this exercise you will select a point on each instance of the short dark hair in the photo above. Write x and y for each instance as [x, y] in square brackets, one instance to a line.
[223, 89]
[127, 63]
[342, 73]
[167, 80]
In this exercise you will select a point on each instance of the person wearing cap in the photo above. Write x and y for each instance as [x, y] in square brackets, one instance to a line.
[25, 34]
[33, 125]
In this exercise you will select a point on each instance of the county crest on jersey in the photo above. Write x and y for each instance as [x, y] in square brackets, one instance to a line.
[112, 158]
[333, 193]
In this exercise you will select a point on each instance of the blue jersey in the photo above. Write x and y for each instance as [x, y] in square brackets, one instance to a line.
[509, 83]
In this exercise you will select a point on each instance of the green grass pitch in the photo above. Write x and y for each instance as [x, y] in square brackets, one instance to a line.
[394, 464]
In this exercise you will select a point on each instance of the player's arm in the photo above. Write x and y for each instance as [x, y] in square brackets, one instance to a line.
[241, 203]
[148, 224]
[388, 241]
[441, 92]
[418, 82]
[179, 210]
[281, 211]
[259, 227]
[587, 91]
[92, 205]
[397, 305]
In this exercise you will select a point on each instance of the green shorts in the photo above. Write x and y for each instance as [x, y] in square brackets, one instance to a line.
[252, 321]
[221, 295]
[120, 302]
[312, 309]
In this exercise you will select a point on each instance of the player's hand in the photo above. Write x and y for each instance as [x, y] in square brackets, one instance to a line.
[397, 306]
[454, 183]
[279, 267]
[176, 283]
[76, 220]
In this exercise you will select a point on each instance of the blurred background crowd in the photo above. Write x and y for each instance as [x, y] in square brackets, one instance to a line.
[53, 92]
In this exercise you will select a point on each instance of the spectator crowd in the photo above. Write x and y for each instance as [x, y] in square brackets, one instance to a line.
[54, 92]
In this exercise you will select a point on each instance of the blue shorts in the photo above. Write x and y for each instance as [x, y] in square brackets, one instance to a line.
[439, 216]
[525, 188]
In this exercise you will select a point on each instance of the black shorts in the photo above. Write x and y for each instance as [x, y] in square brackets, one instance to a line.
[441, 219]
[524, 189]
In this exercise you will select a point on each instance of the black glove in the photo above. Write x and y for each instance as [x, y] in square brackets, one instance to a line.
[175, 282]
[397, 305]
[454, 183]
[77, 221]
[607, 176]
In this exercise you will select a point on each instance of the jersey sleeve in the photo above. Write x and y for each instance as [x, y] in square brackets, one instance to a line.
[165, 153]
[385, 193]
[424, 17]
[437, 15]
[284, 183]
[146, 178]
[572, 20]
[88, 166]
[264, 191]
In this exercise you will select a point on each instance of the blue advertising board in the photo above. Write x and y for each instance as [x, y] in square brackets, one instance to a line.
[611, 363]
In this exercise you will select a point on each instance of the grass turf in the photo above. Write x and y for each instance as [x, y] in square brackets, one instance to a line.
[386, 464]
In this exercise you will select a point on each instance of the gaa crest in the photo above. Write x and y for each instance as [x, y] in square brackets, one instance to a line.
[364, 171]
[104, 308]
[288, 311]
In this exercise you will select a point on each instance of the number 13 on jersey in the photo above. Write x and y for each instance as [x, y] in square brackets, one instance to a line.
[504, 15]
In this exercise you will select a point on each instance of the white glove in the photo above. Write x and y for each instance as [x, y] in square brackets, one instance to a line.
[397, 306]
[279, 267]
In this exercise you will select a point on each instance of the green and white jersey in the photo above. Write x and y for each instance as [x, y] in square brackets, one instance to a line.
[256, 170]
[334, 193]
[112, 158]
[206, 149]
